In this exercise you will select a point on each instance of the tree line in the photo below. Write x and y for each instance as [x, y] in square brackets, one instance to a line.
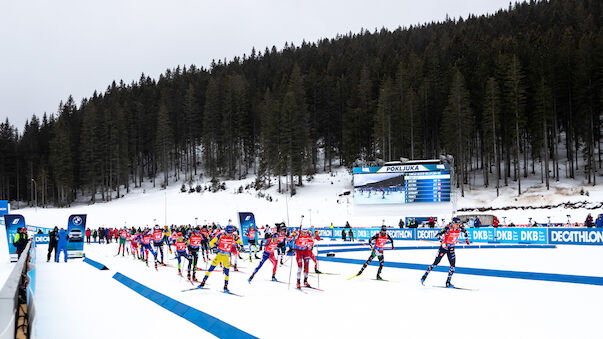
[507, 94]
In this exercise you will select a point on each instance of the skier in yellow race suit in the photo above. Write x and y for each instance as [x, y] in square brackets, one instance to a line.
[224, 241]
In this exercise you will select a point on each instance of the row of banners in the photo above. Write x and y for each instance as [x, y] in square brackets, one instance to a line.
[509, 235]
[76, 228]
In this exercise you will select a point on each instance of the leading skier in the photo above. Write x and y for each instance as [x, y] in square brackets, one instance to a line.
[450, 236]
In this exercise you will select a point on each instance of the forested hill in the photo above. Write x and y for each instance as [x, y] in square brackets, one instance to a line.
[503, 93]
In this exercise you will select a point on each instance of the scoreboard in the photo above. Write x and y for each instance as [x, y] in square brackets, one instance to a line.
[402, 184]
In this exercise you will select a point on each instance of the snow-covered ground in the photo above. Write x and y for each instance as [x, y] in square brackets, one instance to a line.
[320, 201]
[76, 300]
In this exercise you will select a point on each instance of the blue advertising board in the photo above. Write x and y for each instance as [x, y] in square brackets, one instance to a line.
[76, 228]
[576, 236]
[42, 239]
[501, 235]
[13, 222]
[246, 220]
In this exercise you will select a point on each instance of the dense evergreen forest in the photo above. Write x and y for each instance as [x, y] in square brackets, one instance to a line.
[504, 94]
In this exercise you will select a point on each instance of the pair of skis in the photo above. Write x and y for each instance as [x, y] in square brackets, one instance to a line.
[206, 288]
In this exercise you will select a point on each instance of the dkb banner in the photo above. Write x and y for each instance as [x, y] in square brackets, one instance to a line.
[76, 228]
[246, 220]
[13, 222]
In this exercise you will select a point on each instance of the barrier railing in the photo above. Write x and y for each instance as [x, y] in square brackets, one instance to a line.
[16, 299]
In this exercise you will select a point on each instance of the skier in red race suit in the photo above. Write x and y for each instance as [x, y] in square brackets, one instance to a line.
[451, 234]
[193, 247]
[181, 250]
[303, 253]
[268, 255]
[379, 240]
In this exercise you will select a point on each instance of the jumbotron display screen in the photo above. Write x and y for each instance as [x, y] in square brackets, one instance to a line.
[402, 184]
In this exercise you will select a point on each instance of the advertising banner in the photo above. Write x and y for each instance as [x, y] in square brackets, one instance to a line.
[3, 210]
[13, 222]
[246, 220]
[76, 228]
[576, 236]
[325, 232]
[42, 239]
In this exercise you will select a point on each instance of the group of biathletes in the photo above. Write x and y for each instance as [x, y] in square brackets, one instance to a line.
[226, 243]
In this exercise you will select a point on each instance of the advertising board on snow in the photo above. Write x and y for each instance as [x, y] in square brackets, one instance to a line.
[76, 228]
[246, 220]
[13, 222]
[576, 236]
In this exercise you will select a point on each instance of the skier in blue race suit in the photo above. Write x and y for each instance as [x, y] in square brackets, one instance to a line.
[62, 244]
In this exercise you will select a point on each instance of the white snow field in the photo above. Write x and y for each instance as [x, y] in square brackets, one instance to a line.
[320, 201]
[76, 300]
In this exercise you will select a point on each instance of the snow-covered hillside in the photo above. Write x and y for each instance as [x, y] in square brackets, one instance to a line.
[320, 201]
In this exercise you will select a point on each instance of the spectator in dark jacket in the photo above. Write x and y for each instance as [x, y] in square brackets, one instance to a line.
[101, 235]
[343, 234]
[599, 222]
[52, 242]
[477, 223]
[94, 235]
[589, 221]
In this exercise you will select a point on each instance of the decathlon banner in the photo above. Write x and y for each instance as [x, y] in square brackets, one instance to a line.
[76, 228]
[13, 222]
[246, 220]
[575, 236]
[42, 239]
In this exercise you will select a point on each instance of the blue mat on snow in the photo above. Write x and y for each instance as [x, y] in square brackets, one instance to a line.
[566, 278]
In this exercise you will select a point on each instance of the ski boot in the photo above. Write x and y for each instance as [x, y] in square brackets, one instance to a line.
[188, 276]
[250, 279]
[226, 287]
[195, 278]
[202, 282]
[179, 272]
[235, 268]
[317, 271]
[298, 284]
[274, 278]
[379, 277]
[155, 265]
[256, 256]
[423, 279]
[360, 272]
[306, 283]
[147, 262]
[448, 284]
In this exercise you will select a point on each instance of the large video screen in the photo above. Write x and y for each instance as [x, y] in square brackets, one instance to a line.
[401, 184]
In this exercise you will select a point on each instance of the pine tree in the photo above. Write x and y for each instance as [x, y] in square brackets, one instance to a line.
[457, 125]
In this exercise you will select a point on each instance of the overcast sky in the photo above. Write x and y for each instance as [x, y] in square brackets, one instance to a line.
[51, 49]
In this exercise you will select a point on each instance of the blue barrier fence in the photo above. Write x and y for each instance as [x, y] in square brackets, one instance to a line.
[504, 235]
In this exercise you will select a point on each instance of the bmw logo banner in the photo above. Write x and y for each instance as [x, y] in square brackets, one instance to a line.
[13, 222]
[76, 228]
